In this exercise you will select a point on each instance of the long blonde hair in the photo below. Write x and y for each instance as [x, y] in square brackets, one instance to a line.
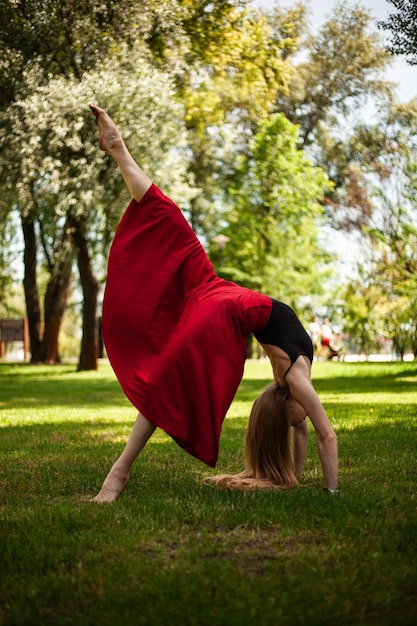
[268, 454]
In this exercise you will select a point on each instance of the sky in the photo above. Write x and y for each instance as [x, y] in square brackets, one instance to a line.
[400, 72]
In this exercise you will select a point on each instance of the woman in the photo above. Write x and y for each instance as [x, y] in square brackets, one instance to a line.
[175, 334]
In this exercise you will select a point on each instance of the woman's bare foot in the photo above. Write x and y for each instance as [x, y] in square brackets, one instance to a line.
[110, 139]
[112, 486]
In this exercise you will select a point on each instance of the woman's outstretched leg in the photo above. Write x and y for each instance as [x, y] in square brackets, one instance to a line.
[111, 141]
[119, 473]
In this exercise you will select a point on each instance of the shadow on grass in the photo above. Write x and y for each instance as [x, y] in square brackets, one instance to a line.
[25, 386]
[394, 382]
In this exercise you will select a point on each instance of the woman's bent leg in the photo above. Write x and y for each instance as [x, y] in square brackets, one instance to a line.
[119, 473]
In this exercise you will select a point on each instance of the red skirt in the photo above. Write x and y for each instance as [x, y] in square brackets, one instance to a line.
[175, 333]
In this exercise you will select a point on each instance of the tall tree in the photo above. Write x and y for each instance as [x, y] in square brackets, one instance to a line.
[61, 179]
[272, 229]
[341, 74]
[230, 87]
[343, 69]
[63, 38]
[70, 44]
[384, 158]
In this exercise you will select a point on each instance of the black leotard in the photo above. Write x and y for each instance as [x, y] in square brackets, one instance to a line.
[285, 331]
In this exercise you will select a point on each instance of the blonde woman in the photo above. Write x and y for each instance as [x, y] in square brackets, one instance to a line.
[175, 334]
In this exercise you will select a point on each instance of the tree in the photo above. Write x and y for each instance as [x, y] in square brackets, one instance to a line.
[42, 39]
[273, 225]
[68, 189]
[60, 36]
[234, 74]
[63, 37]
[341, 72]
[384, 157]
[402, 24]
[364, 314]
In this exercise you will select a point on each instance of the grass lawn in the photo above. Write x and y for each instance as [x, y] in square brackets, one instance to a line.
[174, 551]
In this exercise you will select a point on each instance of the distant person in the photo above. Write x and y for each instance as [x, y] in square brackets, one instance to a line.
[176, 333]
[315, 334]
[326, 337]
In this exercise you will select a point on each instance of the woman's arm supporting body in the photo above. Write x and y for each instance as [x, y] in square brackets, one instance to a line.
[300, 441]
[302, 390]
[297, 377]
[111, 141]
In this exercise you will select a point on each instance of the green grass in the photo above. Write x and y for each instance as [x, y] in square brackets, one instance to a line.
[173, 550]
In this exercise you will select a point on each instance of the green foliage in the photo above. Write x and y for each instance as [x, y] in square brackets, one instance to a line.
[237, 80]
[202, 126]
[274, 221]
[173, 550]
[384, 168]
[344, 67]
[231, 85]
[63, 37]
[55, 166]
[364, 315]
[401, 25]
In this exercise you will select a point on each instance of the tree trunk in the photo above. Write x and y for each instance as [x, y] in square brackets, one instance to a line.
[56, 299]
[89, 344]
[30, 287]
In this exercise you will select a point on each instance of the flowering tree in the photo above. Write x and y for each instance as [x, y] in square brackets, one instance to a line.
[70, 195]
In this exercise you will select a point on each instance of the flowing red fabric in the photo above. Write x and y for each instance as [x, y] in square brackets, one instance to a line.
[175, 333]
